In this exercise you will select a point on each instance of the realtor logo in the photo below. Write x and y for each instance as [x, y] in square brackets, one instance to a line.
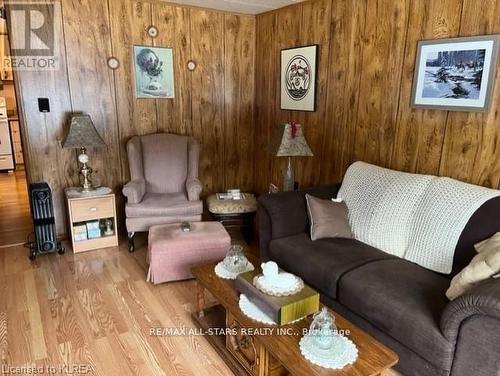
[33, 34]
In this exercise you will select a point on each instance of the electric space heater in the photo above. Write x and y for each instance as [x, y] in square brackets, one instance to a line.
[42, 211]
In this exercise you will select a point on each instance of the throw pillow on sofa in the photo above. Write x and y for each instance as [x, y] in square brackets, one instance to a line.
[328, 219]
[483, 266]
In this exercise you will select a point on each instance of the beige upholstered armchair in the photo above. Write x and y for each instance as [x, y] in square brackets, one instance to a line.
[164, 186]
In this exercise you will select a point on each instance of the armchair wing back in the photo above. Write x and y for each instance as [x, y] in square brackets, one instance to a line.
[164, 186]
[164, 161]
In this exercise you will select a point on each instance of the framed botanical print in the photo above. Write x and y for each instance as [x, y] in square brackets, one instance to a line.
[455, 74]
[298, 78]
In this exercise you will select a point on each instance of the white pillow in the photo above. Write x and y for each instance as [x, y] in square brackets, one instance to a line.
[484, 265]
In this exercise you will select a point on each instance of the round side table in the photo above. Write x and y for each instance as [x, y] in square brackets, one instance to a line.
[234, 214]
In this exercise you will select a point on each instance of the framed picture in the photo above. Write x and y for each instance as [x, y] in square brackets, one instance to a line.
[455, 74]
[298, 78]
[154, 72]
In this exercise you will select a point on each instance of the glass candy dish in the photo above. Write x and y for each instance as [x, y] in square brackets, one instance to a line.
[323, 329]
[323, 346]
[233, 264]
[235, 260]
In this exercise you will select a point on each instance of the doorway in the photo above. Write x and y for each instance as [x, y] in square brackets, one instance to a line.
[15, 217]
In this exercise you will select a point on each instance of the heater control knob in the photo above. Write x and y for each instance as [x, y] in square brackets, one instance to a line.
[41, 196]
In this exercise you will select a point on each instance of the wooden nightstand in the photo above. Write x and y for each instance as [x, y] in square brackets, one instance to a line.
[90, 215]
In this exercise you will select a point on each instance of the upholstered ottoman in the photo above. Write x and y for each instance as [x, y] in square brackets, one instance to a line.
[234, 214]
[172, 253]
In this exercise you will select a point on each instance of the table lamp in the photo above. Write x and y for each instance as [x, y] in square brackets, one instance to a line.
[82, 135]
[289, 141]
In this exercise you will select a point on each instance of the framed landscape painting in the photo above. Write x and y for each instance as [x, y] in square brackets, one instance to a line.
[298, 78]
[455, 74]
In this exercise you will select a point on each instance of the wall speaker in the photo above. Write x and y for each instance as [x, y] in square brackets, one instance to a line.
[42, 211]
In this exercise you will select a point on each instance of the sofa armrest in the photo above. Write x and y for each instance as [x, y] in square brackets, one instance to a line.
[284, 214]
[482, 300]
[134, 191]
[193, 189]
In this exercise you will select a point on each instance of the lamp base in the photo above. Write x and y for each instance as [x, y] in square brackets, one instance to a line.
[85, 171]
[86, 188]
[288, 178]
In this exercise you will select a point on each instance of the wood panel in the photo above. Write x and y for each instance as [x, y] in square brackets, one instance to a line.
[344, 71]
[43, 132]
[129, 21]
[420, 133]
[208, 95]
[174, 115]
[315, 29]
[288, 34]
[472, 140]
[383, 51]
[239, 74]
[95, 30]
[366, 63]
[88, 74]
[367, 115]
[266, 86]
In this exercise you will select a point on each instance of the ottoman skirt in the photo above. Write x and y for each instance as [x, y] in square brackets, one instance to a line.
[172, 253]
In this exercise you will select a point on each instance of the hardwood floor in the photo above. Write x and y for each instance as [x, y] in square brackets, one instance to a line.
[94, 311]
[15, 218]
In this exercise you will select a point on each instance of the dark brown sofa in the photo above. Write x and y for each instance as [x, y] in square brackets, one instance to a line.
[400, 303]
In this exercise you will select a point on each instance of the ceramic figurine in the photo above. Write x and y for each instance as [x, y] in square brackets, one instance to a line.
[273, 278]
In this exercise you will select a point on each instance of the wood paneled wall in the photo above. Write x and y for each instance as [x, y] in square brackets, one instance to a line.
[366, 65]
[214, 103]
[231, 101]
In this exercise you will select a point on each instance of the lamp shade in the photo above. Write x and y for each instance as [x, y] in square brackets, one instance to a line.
[82, 133]
[288, 141]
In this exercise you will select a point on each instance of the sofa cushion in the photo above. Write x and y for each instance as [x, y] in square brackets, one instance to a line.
[321, 263]
[403, 300]
[327, 218]
[287, 210]
[164, 204]
[483, 266]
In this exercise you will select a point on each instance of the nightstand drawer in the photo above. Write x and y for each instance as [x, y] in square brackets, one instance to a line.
[89, 209]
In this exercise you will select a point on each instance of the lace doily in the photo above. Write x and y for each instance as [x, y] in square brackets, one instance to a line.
[342, 353]
[259, 282]
[76, 192]
[223, 273]
[254, 312]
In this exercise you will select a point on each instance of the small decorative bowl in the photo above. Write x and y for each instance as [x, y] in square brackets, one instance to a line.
[235, 260]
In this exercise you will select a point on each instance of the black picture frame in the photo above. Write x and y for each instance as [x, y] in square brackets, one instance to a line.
[293, 97]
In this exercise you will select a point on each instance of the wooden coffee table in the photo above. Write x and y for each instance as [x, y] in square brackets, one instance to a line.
[251, 352]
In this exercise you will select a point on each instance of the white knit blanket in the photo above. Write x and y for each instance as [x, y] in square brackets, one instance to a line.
[417, 217]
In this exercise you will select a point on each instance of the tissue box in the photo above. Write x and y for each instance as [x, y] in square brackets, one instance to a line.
[282, 309]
